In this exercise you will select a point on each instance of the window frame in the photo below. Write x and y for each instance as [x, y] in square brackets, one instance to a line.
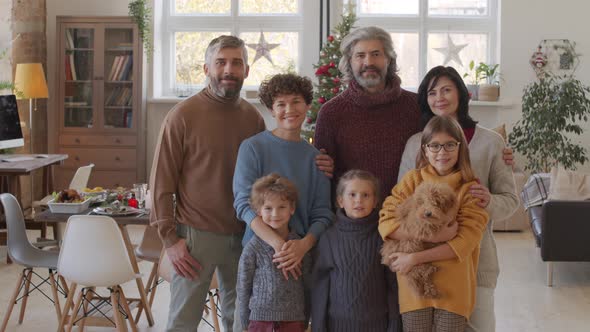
[305, 23]
[423, 24]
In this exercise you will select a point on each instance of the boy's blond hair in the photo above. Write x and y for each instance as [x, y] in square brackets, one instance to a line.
[360, 175]
[272, 185]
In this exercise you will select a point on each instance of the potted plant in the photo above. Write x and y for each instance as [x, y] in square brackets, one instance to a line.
[474, 77]
[552, 109]
[490, 90]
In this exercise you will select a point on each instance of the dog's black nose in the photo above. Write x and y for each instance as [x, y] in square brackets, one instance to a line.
[427, 214]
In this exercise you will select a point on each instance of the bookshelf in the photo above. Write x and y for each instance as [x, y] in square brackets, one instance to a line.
[100, 104]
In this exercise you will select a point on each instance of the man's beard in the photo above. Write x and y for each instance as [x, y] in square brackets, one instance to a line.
[223, 90]
[369, 82]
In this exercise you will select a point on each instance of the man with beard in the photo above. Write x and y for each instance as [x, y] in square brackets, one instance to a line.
[366, 126]
[192, 185]
[191, 180]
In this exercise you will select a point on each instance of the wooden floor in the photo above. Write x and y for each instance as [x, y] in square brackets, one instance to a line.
[523, 302]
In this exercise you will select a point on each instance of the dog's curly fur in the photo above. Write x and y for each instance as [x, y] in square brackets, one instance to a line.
[432, 206]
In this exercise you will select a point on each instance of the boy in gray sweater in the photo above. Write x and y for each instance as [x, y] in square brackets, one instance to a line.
[352, 290]
[268, 301]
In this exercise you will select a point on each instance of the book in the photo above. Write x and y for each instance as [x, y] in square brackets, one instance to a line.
[68, 69]
[73, 66]
[125, 76]
[120, 67]
[69, 39]
[114, 67]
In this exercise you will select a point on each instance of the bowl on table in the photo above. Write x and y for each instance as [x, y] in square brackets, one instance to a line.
[72, 208]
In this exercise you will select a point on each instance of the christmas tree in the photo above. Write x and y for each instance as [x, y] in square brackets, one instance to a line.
[329, 77]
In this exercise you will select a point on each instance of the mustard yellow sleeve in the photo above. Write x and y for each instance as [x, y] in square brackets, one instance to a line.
[472, 221]
[404, 189]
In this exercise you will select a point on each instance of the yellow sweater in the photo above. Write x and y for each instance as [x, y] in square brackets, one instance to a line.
[456, 278]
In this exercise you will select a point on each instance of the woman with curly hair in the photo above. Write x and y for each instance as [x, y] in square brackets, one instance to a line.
[283, 151]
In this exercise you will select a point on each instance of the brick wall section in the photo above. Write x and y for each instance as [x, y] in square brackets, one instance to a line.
[29, 19]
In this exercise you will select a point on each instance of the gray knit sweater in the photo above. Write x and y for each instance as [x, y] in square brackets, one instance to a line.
[485, 152]
[263, 292]
[352, 290]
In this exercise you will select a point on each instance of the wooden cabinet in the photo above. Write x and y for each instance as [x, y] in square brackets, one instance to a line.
[99, 104]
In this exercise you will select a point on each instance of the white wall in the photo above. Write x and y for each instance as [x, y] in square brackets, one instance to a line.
[524, 23]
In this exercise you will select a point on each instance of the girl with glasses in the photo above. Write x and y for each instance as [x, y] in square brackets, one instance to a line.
[443, 158]
[443, 92]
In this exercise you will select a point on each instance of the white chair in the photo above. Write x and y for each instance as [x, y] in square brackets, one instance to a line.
[24, 253]
[93, 254]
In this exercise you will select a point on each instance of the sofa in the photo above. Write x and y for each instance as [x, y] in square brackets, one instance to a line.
[561, 230]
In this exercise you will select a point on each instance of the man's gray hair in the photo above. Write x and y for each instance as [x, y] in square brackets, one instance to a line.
[225, 41]
[368, 33]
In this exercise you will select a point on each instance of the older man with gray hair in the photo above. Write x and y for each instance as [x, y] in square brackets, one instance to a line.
[366, 126]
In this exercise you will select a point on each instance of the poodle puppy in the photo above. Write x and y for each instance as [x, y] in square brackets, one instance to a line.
[431, 207]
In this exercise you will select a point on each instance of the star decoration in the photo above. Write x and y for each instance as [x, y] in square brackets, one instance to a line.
[262, 49]
[451, 52]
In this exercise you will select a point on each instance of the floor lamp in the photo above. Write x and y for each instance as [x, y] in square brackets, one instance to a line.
[29, 83]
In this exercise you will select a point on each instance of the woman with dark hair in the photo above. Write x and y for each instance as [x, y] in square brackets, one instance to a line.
[443, 92]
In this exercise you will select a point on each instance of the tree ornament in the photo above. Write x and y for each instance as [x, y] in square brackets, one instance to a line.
[335, 90]
[321, 100]
[330, 38]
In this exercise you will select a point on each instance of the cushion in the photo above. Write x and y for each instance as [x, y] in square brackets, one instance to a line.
[502, 131]
[569, 185]
[536, 190]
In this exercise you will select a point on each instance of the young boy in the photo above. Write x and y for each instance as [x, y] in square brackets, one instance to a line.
[352, 290]
[288, 97]
[267, 300]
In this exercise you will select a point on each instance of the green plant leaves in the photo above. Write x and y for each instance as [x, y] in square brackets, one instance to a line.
[142, 15]
[550, 109]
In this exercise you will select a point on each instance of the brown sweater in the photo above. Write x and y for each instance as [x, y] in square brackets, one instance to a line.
[195, 159]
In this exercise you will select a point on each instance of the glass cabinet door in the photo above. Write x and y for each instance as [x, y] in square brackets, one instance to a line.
[118, 78]
[79, 65]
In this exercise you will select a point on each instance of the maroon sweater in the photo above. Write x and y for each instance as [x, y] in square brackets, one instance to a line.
[368, 131]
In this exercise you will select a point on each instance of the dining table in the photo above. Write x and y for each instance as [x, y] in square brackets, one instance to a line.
[123, 221]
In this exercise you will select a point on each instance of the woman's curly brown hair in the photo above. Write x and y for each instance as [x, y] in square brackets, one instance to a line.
[285, 84]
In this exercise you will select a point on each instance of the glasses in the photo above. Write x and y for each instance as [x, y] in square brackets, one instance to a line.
[449, 146]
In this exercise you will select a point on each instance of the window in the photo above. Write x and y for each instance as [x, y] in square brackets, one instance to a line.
[185, 27]
[426, 32]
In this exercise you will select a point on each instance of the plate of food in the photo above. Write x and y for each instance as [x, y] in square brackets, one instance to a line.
[116, 211]
[96, 194]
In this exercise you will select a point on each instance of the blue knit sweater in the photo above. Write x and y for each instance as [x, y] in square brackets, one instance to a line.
[266, 153]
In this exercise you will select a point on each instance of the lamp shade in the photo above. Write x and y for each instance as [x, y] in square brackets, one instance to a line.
[30, 82]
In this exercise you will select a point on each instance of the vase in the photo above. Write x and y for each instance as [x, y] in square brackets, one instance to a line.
[489, 92]
[472, 88]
